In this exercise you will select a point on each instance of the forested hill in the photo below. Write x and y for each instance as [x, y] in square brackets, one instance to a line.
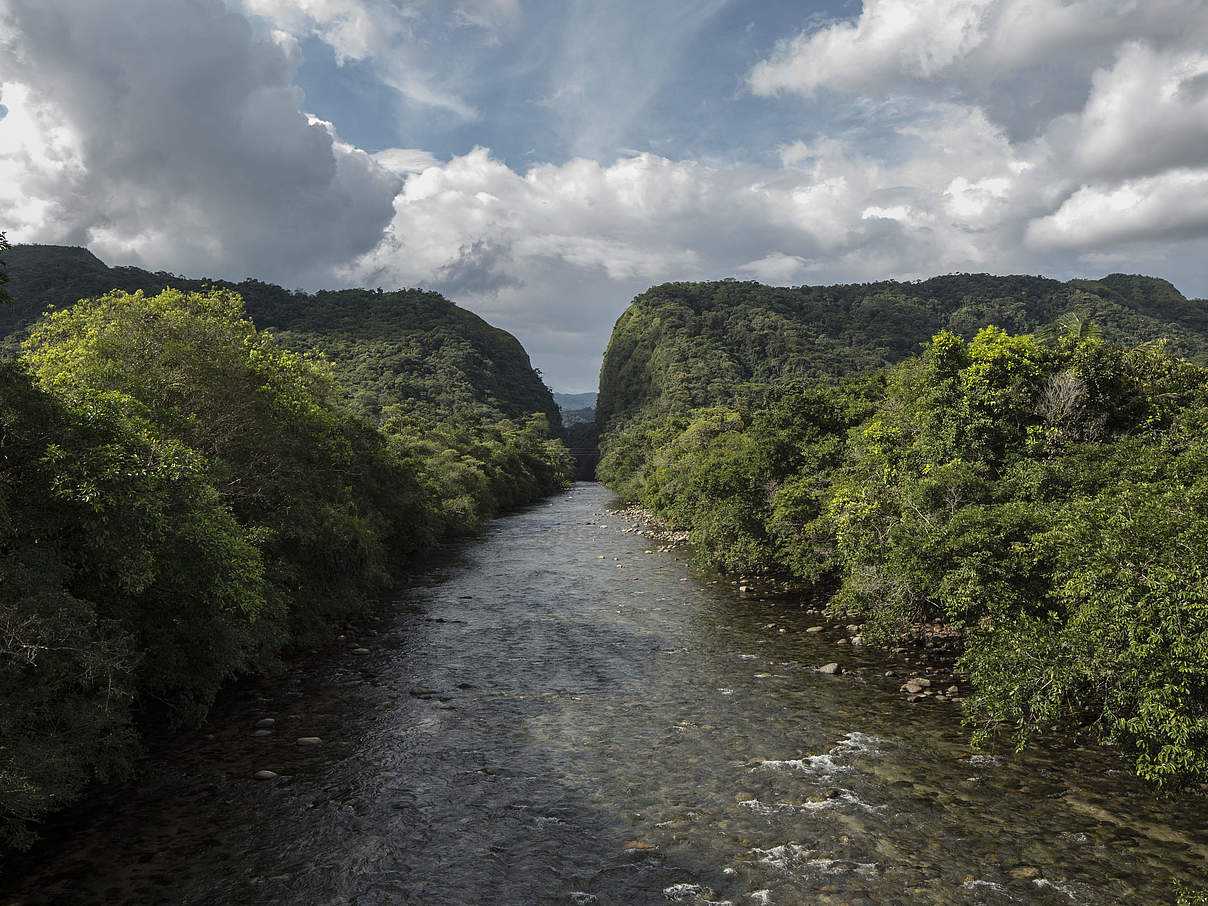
[411, 349]
[1040, 489]
[682, 345]
[184, 497]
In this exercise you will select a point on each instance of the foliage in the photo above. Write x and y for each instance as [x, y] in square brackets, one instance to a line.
[116, 558]
[182, 497]
[1051, 497]
[5, 298]
[686, 345]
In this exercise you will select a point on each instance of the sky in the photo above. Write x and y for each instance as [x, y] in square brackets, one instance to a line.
[541, 162]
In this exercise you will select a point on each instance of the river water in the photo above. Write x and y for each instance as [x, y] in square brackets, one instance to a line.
[561, 712]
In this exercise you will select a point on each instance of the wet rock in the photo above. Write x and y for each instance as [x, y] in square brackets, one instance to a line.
[952, 690]
[915, 685]
[307, 741]
[831, 668]
[264, 732]
[265, 775]
[745, 588]
[266, 722]
[814, 629]
[360, 650]
[840, 641]
[421, 691]
[1024, 872]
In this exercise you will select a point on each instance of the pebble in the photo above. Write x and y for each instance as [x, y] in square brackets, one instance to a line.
[814, 629]
[263, 733]
[266, 722]
[309, 740]
[265, 775]
[360, 650]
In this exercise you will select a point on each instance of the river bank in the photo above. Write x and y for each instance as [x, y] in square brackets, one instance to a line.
[925, 655]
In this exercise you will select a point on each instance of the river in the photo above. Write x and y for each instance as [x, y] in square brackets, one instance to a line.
[562, 712]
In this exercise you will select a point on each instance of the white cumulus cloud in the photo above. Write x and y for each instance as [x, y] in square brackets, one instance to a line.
[162, 132]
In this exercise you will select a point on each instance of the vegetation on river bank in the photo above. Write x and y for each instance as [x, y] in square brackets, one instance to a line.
[183, 498]
[1049, 495]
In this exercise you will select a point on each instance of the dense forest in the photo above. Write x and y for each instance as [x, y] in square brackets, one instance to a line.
[681, 345]
[186, 495]
[1044, 487]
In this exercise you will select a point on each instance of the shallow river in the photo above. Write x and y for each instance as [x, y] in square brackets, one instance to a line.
[559, 712]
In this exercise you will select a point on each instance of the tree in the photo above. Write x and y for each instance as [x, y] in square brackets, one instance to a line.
[4, 247]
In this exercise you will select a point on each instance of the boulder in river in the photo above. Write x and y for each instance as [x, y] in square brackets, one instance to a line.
[265, 722]
[831, 668]
[265, 775]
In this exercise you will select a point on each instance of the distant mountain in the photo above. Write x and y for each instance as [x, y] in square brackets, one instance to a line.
[684, 345]
[409, 348]
[571, 401]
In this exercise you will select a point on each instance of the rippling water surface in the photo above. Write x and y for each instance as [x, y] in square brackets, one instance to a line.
[560, 713]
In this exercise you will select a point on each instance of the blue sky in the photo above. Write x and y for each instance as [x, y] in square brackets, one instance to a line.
[542, 162]
[576, 79]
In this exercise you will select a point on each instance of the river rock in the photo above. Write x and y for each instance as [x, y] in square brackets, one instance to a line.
[831, 668]
[814, 629]
[360, 650]
[262, 732]
[266, 722]
[915, 685]
[265, 775]
[309, 741]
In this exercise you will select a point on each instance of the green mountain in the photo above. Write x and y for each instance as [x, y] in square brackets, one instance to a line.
[683, 345]
[409, 348]
[185, 496]
[1042, 493]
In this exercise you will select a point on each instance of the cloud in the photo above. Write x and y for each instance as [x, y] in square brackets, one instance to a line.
[488, 14]
[162, 132]
[1023, 61]
[1146, 113]
[1171, 206]
[406, 160]
[776, 268]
